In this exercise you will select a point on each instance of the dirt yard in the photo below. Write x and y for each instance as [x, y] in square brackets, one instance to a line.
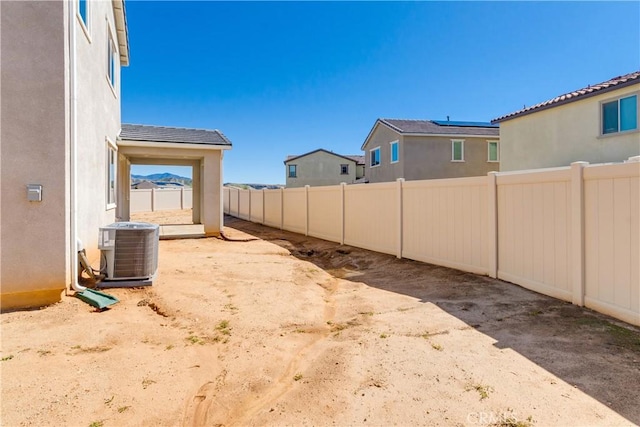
[282, 329]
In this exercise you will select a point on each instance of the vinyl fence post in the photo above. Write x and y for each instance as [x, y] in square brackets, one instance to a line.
[182, 198]
[263, 203]
[399, 182]
[492, 226]
[250, 190]
[238, 203]
[282, 208]
[153, 200]
[342, 211]
[577, 233]
[306, 209]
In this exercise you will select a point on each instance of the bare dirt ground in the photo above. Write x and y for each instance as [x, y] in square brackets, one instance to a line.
[289, 330]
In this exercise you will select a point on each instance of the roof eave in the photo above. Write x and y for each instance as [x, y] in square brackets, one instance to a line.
[375, 125]
[521, 113]
[317, 150]
[171, 144]
[121, 31]
[451, 135]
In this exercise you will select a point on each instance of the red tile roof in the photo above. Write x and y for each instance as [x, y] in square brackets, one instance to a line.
[591, 90]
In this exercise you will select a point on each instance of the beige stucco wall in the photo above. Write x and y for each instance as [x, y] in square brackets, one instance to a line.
[320, 168]
[36, 136]
[98, 119]
[430, 157]
[568, 133]
[386, 171]
[426, 157]
[33, 261]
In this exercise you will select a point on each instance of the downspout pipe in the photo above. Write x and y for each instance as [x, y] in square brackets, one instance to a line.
[74, 242]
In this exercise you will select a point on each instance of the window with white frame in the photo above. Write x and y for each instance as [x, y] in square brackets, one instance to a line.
[112, 61]
[375, 157]
[493, 152]
[620, 115]
[344, 169]
[112, 156]
[293, 171]
[394, 151]
[457, 150]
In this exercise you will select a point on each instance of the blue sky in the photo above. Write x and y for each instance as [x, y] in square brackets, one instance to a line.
[281, 78]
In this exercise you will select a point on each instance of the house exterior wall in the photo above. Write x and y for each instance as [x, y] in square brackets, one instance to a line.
[34, 102]
[98, 121]
[36, 134]
[320, 168]
[429, 157]
[564, 134]
[426, 157]
[385, 171]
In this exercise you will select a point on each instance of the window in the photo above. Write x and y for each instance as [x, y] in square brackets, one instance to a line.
[111, 61]
[293, 169]
[457, 150]
[394, 152]
[492, 148]
[344, 169]
[620, 115]
[83, 12]
[111, 174]
[375, 157]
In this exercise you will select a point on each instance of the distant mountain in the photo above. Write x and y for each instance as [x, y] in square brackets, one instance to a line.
[161, 178]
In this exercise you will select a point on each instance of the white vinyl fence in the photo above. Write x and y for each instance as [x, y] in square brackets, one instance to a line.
[160, 199]
[572, 233]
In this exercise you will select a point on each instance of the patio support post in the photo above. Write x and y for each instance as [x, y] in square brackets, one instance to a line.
[577, 232]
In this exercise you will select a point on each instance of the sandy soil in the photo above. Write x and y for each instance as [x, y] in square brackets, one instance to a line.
[289, 330]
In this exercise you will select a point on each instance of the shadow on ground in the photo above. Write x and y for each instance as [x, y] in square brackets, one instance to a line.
[596, 353]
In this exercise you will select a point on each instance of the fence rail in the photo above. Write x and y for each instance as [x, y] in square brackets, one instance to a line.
[160, 199]
[571, 233]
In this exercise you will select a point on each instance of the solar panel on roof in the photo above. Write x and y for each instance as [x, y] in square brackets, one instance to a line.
[464, 124]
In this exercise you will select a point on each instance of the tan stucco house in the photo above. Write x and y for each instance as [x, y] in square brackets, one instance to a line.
[323, 167]
[430, 149]
[597, 124]
[64, 161]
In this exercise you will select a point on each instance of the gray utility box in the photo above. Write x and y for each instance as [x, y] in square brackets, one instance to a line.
[129, 250]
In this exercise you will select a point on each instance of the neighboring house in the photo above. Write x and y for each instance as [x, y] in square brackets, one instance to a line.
[597, 124]
[65, 166]
[430, 149]
[146, 185]
[322, 167]
[143, 185]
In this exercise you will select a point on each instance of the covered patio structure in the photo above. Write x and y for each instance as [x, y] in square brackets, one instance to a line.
[202, 150]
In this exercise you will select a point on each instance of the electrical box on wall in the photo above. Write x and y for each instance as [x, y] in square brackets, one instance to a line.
[34, 192]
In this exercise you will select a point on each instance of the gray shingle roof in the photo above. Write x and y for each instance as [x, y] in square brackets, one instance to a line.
[591, 90]
[428, 127]
[169, 134]
[356, 158]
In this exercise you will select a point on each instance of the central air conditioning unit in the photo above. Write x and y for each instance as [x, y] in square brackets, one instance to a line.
[129, 250]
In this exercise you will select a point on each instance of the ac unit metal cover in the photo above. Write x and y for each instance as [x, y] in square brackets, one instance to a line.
[130, 250]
